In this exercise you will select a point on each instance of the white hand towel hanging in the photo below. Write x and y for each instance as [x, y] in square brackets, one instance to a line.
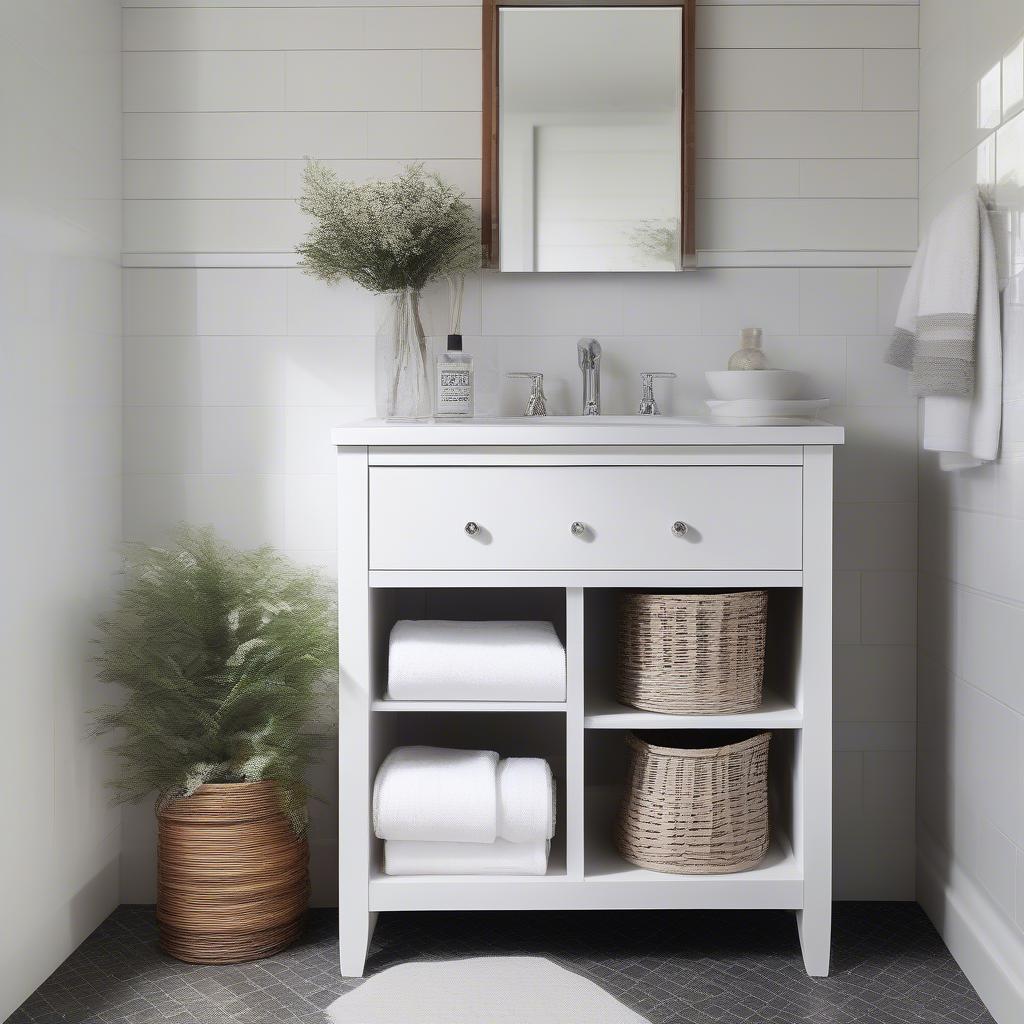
[948, 335]
[437, 795]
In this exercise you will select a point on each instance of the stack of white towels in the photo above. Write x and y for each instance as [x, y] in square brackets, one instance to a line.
[463, 812]
[436, 659]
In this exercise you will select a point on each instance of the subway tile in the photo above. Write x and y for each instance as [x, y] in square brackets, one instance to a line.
[243, 441]
[464, 174]
[858, 179]
[765, 79]
[246, 136]
[889, 804]
[203, 81]
[160, 302]
[734, 299]
[318, 308]
[311, 512]
[247, 511]
[752, 225]
[811, 25]
[891, 283]
[360, 80]
[161, 440]
[235, 302]
[428, 28]
[324, 371]
[838, 301]
[848, 794]
[451, 80]
[212, 225]
[209, 28]
[206, 179]
[162, 371]
[878, 462]
[242, 371]
[666, 304]
[875, 869]
[871, 381]
[820, 360]
[889, 607]
[875, 682]
[747, 179]
[878, 537]
[308, 447]
[816, 134]
[552, 304]
[890, 80]
[846, 607]
[984, 626]
[427, 134]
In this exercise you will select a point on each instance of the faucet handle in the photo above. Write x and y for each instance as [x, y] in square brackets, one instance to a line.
[537, 403]
[648, 404]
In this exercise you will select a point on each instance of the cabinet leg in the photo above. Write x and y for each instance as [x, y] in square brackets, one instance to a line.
[815, 929]
[356, 932]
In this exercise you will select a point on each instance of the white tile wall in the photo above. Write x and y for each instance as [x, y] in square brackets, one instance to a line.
[807, 142]
[60, 398]
[971, 702]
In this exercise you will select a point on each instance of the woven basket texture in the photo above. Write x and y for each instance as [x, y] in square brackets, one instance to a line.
[692, 654]
[233, 877]
[700, 809]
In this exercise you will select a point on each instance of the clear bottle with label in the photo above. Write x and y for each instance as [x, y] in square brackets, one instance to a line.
[454, 398]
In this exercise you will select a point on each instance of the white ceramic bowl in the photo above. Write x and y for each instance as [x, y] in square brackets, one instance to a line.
[732, 385]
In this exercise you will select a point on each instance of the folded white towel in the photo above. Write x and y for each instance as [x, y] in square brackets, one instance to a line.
[965, 430]
[437, 795]
[497, 858]
[526, 799]
[431, 659]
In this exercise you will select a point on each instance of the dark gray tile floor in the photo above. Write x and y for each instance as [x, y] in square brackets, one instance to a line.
[888, 967]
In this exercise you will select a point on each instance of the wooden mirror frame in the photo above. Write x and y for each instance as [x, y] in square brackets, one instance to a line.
[489, 193]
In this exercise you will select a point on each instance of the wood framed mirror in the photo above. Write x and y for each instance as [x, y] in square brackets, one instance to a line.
[588, 135]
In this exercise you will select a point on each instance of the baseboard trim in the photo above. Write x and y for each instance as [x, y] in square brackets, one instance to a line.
[988, 949]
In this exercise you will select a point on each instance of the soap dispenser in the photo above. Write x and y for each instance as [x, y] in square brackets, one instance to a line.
[454, 398]
[750, 356]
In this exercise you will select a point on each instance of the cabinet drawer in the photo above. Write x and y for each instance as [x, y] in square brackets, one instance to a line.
[736, 517]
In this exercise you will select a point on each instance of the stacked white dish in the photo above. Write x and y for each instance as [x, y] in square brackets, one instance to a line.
[463, 812]
[761, 397]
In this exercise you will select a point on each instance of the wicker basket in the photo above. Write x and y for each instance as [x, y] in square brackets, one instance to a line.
[692, 654]
[233, 877]
[698, 810]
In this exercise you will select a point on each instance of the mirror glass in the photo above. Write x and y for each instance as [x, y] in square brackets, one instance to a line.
[589, 138]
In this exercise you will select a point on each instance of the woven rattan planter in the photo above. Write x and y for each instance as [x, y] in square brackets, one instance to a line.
[233, 877]
[692, 654]
[699, 809]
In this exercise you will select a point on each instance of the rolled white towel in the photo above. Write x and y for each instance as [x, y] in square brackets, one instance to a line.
[437, 795]
[432, 659]
[526, 799]
[497, 858]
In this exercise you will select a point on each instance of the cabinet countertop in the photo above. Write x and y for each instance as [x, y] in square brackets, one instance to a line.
[581, 431]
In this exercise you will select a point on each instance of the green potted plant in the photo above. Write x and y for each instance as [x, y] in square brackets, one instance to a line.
[222, 655]
[392, 237]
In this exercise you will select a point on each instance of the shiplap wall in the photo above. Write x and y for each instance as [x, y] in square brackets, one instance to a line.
[234, 373]
[971, 694]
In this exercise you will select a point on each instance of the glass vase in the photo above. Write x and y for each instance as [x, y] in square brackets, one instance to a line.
[402, 366]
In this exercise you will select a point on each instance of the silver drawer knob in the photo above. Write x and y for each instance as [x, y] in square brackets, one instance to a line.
[679, 529]
[578, 529]
[472, 529]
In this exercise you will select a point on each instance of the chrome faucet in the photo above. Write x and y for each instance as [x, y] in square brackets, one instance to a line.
[589, 352]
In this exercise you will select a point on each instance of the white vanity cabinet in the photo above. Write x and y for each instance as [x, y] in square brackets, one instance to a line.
[526, 519]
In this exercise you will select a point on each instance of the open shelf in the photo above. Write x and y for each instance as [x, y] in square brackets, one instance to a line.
[467, 705]
[775, 713]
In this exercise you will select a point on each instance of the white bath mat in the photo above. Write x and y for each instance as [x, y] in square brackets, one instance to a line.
[483, 990]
